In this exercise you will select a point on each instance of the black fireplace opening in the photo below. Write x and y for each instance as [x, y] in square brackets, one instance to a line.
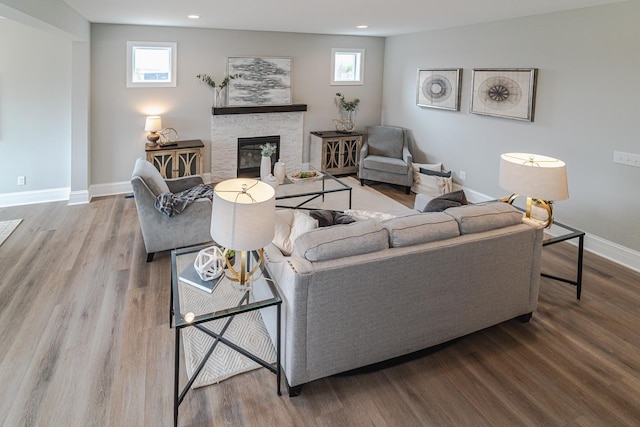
[250, 155]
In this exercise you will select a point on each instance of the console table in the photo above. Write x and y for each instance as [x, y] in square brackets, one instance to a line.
[181, 158]
[335, 152]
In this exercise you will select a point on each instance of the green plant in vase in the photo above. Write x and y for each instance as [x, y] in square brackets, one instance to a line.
[217, 88]
[347, 111]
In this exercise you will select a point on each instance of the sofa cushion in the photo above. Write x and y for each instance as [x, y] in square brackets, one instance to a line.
[151, 176]
[419, 228]
[386, 164]
[329, 243]
[485, 217]
[290, 224]
[446, 201]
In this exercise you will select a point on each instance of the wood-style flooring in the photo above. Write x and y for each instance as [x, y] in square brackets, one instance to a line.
[85, 341]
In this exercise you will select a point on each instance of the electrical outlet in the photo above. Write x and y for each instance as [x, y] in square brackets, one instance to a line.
[629, 159]
[22, 180]
[462, 175]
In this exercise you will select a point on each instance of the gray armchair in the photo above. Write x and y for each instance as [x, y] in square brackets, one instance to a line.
[385, 157]
[159, 231]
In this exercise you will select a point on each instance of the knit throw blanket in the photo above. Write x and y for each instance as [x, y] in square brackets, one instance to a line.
[172, 204]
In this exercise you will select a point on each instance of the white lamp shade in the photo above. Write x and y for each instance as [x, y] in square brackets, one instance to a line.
[243, 214]
[535, 176]
[153, 124]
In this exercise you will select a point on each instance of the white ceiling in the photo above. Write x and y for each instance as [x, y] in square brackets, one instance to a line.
[384, 18]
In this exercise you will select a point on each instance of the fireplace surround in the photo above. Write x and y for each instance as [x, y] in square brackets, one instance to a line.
[226, 129]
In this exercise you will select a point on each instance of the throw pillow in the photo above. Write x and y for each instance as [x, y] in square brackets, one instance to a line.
[328, 218]
[446, 201]
[289, 225]
[435, 173]
[359, 215]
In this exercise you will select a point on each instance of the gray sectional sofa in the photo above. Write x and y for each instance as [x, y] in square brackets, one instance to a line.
[362, 293]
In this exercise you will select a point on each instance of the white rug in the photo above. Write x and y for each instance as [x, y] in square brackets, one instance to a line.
[7, 227]
[248, 330]
[362, 198]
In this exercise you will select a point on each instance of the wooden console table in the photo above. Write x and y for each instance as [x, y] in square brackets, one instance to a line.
[335, 152]
[182, 158]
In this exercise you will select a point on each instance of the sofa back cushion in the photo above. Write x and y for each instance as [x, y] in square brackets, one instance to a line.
[485, 217]
[420, 228]
[340, 241]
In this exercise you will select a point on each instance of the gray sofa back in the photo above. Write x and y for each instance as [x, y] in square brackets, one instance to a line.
[351, 311]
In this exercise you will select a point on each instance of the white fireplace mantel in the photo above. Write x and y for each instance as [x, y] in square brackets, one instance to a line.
[227, 128]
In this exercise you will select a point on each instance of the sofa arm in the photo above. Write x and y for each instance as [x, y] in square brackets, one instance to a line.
[407, 157]
[177, 185]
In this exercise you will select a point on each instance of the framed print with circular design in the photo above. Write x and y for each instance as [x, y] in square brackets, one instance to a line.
[439, 88]
[508, 93]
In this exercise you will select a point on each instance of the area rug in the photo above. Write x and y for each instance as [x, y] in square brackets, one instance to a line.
[7, 227]
[248, 330]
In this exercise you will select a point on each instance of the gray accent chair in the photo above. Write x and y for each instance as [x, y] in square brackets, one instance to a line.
[385, 157]
[159, 231]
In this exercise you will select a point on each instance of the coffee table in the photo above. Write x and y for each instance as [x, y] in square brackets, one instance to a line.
[298, 195]
[204, 307]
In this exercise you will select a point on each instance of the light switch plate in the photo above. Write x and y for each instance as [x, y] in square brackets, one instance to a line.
[623, 158]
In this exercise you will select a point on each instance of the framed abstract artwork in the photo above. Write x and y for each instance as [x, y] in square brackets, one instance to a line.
[508, 93]
[439, 88]
[262, 81]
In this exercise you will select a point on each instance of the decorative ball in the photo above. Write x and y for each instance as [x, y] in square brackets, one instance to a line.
[209, 263]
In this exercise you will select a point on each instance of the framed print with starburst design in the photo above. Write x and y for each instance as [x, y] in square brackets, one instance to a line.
[507, 92]
[439, 88]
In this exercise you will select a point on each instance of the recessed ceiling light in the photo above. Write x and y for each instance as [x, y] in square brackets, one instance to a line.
[362, 26]
[193, 16]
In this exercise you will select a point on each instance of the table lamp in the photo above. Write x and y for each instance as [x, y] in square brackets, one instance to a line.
[153, 124]
[243, 218]
[542, 179]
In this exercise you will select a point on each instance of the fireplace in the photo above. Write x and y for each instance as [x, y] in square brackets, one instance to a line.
[226, 129]
[249, 155]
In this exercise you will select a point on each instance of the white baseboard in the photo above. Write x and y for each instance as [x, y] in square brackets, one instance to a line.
[111, 189]
[79, 197]
[35, 196]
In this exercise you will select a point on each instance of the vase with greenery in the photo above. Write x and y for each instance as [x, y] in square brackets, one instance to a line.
[218, 100]
[267, 150]
[347, 110]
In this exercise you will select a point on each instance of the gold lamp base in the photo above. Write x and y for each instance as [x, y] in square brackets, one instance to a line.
[532, 206]
[244, 278]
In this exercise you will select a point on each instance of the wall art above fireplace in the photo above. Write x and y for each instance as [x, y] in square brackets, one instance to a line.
[262, 81]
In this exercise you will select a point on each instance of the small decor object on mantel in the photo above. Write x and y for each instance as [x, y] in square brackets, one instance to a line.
[346, 109]
[218, 100]
[267, 150]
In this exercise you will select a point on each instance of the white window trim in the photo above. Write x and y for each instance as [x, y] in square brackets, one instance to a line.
[359, 79]
[174, 61]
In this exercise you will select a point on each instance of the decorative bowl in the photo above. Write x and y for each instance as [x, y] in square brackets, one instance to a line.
[304, 176]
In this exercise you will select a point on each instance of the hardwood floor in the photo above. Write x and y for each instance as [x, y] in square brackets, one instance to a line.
[85, 341]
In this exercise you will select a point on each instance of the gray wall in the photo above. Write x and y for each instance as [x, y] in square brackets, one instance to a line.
[587, 107]
[35, 108]
[117, 112]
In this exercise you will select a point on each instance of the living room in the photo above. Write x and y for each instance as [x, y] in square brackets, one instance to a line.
[583, 56]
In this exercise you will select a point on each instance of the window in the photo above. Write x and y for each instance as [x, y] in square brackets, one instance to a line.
[347, 66]
[151, 64]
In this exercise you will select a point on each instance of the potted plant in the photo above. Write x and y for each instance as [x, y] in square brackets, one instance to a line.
[267, 150]
[217, 89]
[347, 111]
